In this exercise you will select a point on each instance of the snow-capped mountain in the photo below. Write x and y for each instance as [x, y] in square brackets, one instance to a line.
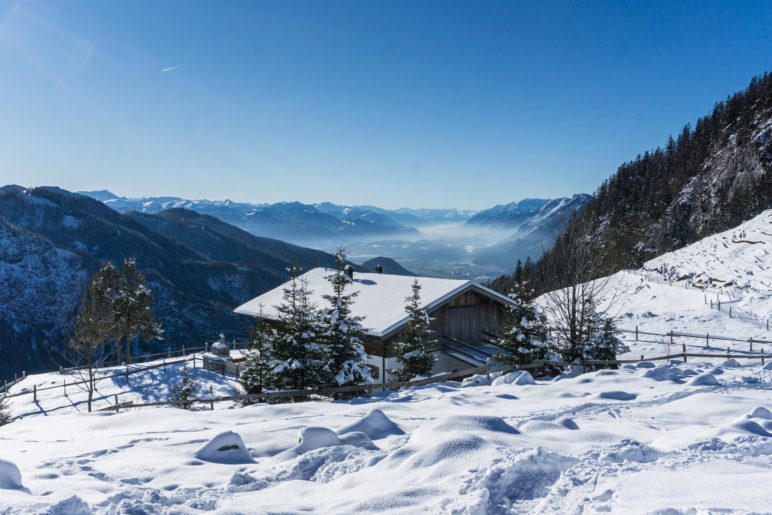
[199, 268]
[529, 214]
[288, 221]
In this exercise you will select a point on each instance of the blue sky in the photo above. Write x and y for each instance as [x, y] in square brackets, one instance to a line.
[393, 103]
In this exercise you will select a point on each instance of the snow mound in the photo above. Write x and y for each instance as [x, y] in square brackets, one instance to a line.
[375, 425]
[658, 373]
[475, 380]
[312, 438]
[617, 395]
[704, 380]
[533, 426]
[227, 447]
[631, 450]
[464, 423]
[645, 364]
[71, 506]
[731, 363]
[518, 377]
[10, 477]
[761, 412]
[568, 423]
[748, 426]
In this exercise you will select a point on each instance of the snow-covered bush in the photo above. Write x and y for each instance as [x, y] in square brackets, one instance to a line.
[184, 389]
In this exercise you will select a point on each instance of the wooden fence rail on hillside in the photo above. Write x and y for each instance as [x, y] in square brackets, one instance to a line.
[396, 385]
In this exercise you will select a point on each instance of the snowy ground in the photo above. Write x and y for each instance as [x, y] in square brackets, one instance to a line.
[634, 440]
[147, 386]
[668, 438]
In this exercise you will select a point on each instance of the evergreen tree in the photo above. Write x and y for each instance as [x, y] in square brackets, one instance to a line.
[5, 412]
[604, 343]
[90, 346]
[258, 374]
[343, 331]
[131, 307]
[299, 353]
[184, 389]
[416, 348]
[524, 333]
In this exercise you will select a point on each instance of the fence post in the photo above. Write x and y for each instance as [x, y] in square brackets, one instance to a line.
[60, 370]
[727, 352]
[762, 357]
[684, 349]
[117, 409]
[730, 311]
[750, 344]
[211, 402]
[35, 392]
[719, 305]
[642, 357]
[64, 386]
[636, 333]
[206, 346]
[194, 361]
[707, 340]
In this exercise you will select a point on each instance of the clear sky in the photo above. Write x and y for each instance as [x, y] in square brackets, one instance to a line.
[393, 103]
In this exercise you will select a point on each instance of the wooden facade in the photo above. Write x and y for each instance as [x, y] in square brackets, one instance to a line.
[469, 317]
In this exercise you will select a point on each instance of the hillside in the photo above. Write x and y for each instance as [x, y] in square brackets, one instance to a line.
[709, 178]
[389, 266]
[198, 267]
[674, 438]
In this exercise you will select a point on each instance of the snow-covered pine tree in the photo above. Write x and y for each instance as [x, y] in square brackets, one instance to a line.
[524, 332]
[131, 307]
[5, 412]
[184, 389]
[416, 348]
[298, 350]
[343, 331]
[604, 343]
[258, 374]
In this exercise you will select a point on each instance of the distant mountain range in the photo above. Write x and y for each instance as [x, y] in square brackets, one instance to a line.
[309, 224]
[199, 268]
[447, 242]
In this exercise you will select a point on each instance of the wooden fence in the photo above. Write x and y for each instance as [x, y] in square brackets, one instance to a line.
[396, 385]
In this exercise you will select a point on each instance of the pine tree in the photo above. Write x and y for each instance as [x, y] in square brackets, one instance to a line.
[298, 350]
[258, 374]
[524, 333]
[343, 331]
[184, 389]
[131, 307]
[90, 346]
[5, 412]
[604, 343]
[416, 348]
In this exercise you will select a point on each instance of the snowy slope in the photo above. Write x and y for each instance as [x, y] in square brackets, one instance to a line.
[681, 291]
[630, 441]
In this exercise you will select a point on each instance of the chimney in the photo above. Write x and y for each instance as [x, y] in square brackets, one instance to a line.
[349, 271]
[378, 269]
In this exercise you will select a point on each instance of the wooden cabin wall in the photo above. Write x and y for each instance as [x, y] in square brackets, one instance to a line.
[467, 317]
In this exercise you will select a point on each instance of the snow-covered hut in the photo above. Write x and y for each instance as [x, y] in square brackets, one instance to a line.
[467, 316]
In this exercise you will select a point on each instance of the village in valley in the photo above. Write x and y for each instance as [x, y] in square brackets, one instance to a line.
[504, 345]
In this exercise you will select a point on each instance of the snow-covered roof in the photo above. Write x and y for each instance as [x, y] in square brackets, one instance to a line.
[380, 299]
